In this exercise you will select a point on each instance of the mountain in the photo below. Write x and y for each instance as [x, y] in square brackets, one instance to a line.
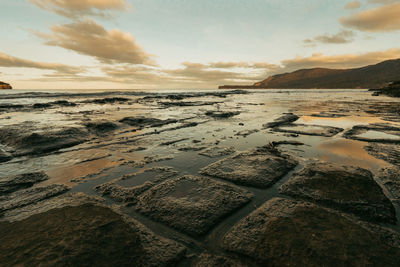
[5, 85]
[373, 76]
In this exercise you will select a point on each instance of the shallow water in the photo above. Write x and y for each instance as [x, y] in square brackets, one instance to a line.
[129, 149]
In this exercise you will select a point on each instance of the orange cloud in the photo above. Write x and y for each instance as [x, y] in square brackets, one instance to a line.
[76, 8]
[353, 5]
[380, 19]
[10, 61]
[339, 61]
[338, 38]
[89, 38]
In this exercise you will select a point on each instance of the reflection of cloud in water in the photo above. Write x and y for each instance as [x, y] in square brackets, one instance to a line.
[65, 174]
[343, 122]
[349, 152]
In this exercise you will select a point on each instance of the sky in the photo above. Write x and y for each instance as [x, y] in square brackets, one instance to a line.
[139, 44]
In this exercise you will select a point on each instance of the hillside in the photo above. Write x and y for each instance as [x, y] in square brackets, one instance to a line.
[373, 76]
[5, 85]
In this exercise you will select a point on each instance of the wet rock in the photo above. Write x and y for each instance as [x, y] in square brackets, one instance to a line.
[90, 235]
[246, 133]
[64, 103]
[135, 184]
[5, 156]
[348, 189]
[387, 152]
[30, 196]
[258, 168]
[42, 105]
[101, 127]
[307, 129]
[187, 103]
[324, 114]
[67, 199]
[390, 178]
[14, 183]
[26, 143]
[286, 118]
[221, 114]
[191, 204]
[8, 107]
[383, 133]
[284, 232]
[210, 260]
[173, 142]
[143, 122]
[109, 100]
[217, 151]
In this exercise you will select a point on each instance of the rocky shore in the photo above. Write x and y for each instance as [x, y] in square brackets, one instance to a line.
[199, 179]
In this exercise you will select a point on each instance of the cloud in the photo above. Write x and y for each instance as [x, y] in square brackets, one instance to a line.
[382, 2]
[353, 5]
[339, 61]
[10, 61]
[380, 19]
[345, 36]
[90, 38]
[78, 8]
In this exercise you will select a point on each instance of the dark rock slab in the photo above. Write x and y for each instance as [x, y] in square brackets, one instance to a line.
[17, 182]
[345, 188]
[129, 187]
[212, 260]
[143, 121]
[382, 133]
[85, 235]
[221, 114]
[5, 156]
[191, 204]
[308, 129]
[217, 151]
[284, 232]
[387, 152]
[390, 178]
[37, 143]
[30, 196]
[286, 118]
[101, 127]
[187, 103]
[258, 168]
[108, 100]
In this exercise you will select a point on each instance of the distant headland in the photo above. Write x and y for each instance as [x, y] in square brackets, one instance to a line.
[373, 76]
[4, 85]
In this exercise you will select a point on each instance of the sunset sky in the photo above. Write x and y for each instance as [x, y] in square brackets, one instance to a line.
[121, 44]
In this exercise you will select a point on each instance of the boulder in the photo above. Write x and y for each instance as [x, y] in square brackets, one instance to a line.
[285, 232]
[348, 189]
[257, 168]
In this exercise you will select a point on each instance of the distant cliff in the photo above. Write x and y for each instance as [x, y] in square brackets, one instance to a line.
[373, 76]
[5, 86]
